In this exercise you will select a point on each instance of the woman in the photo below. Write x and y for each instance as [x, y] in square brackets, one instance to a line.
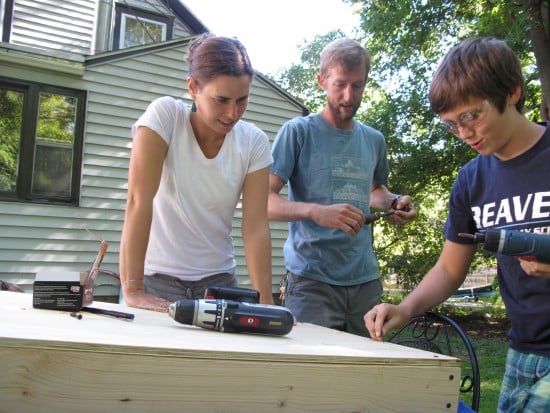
[188, 168]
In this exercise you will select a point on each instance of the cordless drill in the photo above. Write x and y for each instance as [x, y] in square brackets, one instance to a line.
[236, 314]
[233, 316]
[529, 246]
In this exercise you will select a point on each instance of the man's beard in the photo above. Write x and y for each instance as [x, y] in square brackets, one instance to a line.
[337, 113]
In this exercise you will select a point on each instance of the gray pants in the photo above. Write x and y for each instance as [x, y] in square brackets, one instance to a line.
[173, 289]
[332, 306]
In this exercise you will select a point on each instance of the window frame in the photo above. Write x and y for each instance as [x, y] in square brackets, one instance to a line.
[122, 10]
[29, 123]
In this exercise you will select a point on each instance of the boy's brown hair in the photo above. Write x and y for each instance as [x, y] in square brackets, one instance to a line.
[484, 68]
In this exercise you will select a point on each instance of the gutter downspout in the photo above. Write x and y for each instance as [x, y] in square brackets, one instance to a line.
[103, 26]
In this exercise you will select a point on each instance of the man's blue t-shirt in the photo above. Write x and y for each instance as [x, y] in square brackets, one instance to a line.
[326, 165]
[515, 195]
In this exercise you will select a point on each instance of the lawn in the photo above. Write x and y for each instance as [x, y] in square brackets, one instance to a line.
[491, 356]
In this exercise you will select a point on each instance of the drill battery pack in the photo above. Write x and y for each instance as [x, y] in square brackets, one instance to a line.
[243, 295]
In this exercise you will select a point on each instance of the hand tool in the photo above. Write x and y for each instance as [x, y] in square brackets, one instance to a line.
[370, 218]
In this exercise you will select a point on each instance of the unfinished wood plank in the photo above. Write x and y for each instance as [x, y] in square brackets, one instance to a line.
[52, 362]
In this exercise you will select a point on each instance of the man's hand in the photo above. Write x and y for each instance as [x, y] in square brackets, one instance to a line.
[342, 216]
[404, 210]
[383, 318]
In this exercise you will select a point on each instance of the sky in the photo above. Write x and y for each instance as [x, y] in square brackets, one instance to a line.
[271, 30]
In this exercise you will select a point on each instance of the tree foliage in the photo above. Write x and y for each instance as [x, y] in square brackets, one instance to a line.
[406, 40]
[11, 104]
[411, 36]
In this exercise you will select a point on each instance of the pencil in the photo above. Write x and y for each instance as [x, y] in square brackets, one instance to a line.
[111, 313]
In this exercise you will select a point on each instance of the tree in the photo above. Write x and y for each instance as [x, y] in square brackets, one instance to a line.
[538, 16]
[413, 34]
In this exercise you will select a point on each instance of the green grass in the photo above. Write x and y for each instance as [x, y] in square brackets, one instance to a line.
[491, 355]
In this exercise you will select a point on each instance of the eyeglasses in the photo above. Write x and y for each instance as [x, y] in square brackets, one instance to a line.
[466, 120]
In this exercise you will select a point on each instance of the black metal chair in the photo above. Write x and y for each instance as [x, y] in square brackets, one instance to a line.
[440, 334]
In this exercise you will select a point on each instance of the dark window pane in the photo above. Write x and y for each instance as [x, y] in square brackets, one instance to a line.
[52, 171]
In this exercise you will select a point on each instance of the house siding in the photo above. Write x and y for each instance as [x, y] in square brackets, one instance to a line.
[54, 24]
[68, 25]
[37, 237]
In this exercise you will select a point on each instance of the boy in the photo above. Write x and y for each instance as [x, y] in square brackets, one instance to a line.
[478, 91]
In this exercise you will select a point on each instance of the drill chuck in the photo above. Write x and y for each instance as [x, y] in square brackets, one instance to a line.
[515, 243]
[233, 316]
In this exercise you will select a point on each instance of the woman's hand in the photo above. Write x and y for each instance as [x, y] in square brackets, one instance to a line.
[139, 299]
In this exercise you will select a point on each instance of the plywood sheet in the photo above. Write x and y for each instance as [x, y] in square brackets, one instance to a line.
[52, 362]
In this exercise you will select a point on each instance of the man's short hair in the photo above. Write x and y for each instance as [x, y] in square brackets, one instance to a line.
[346, 52]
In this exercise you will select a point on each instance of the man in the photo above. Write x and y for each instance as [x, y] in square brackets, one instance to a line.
[336, 169]
[478, 91]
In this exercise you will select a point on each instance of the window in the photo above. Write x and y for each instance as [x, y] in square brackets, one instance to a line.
[41, 134]
[137, 27]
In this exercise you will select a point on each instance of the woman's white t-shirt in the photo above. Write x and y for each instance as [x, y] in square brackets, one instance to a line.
[193, 210]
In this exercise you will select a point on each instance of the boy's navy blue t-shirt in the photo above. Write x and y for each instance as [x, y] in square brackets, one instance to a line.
[515, 195]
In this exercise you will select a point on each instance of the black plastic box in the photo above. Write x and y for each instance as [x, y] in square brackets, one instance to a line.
[62, 290]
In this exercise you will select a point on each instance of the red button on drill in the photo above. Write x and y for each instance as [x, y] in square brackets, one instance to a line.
[249, 321]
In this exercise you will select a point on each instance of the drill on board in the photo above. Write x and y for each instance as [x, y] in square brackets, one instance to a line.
[231, 315]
